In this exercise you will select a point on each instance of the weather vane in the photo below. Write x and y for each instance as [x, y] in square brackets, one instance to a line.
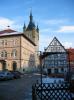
[31, 9]
[8, 26]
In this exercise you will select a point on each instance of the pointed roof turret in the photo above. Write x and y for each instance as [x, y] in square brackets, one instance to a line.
[37, 29]
[31, 24]
[31, 17]
[24, 27]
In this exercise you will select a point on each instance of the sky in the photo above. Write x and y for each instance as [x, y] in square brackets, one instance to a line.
[55, 18]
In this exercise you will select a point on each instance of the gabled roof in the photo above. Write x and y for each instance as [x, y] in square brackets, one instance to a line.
[7, 31]
[55, 46]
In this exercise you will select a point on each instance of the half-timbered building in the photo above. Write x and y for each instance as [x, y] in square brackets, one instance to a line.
[54, 58]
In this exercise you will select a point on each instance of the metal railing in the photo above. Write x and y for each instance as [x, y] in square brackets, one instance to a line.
[51, 91]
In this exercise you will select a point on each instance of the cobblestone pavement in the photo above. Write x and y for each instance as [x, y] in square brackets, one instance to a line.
[19, 89]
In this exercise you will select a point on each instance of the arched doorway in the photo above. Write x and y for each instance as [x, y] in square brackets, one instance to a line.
[4, 65]
[14, 65]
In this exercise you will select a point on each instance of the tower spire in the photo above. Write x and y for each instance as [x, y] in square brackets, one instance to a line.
[31, 17]
[24, 27]
[31, 24]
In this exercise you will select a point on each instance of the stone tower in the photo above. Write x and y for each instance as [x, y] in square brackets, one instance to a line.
[32, 32]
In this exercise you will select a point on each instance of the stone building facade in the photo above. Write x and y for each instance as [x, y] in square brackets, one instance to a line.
[18, 51]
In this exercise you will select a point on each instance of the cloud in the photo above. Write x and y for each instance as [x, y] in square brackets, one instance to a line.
[4, 22]
[56, 25]
[54, 21]
[66, 29]
[13, 23]
[68, 44]
[45, 30]
[44, 41]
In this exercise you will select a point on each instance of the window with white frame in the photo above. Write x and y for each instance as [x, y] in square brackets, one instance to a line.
[4, 53]
[14, 53]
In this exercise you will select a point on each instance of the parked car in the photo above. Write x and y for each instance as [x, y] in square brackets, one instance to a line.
[5, 75]
[16, 74]
[2, 76]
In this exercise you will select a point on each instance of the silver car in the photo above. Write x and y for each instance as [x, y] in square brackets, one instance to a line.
[6, 75]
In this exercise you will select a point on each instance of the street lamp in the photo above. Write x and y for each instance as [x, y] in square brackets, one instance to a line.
[40, 65]
[40, 59]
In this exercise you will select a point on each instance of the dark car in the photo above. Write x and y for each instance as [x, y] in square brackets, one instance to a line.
[17, 74]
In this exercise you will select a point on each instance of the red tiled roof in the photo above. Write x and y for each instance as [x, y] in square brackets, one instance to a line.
[71, 54]
[7, 31]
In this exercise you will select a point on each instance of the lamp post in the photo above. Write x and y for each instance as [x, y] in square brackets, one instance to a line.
[40, 58]
[40, 63]
[41, 67]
